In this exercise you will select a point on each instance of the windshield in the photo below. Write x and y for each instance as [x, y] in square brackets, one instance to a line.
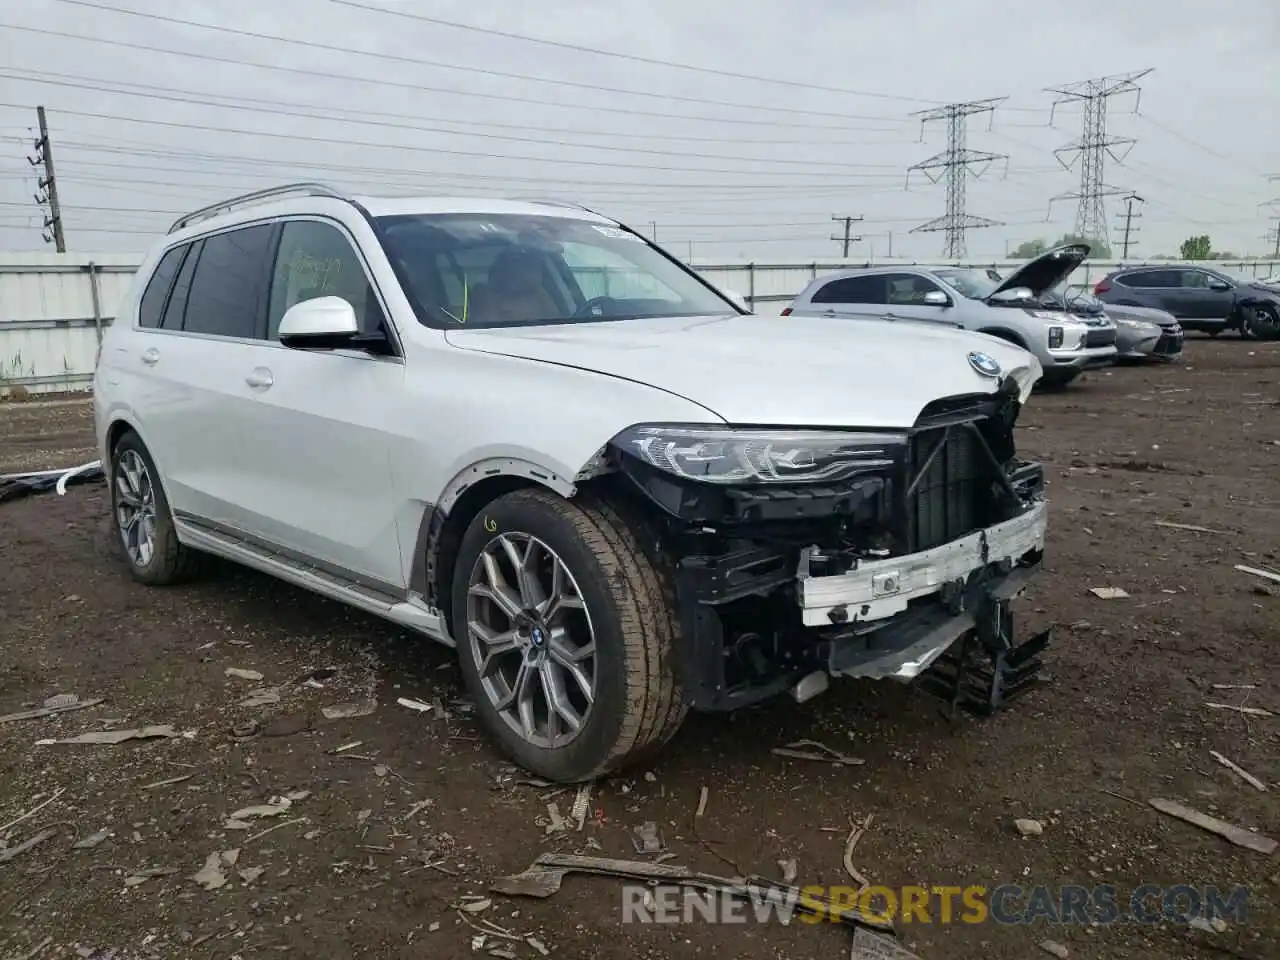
[974, 284]
[488, 270]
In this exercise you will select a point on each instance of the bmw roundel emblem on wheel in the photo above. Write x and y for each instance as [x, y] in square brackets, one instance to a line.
[984, 365]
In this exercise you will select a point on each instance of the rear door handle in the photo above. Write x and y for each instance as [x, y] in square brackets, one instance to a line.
[150, 356]
[260, 378]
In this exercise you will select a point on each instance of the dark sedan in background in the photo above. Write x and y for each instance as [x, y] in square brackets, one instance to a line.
[1142, 333]
[1201, 299]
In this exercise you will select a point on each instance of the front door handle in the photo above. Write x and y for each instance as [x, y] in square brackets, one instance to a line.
[150, 356]
[259, 378]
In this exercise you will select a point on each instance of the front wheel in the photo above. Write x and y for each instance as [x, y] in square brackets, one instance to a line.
[566, 633]
[1260, 323]
[1058, 379]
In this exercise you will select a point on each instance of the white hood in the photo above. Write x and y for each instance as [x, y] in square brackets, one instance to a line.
[777, 371]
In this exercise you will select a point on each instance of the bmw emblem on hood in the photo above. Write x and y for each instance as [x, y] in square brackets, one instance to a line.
[984, 365]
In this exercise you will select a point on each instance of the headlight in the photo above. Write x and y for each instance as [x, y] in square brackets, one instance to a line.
[1055, 338]
[1139, 325]
[729, 455]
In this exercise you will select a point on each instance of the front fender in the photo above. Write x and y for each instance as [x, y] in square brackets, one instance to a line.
[429, 519]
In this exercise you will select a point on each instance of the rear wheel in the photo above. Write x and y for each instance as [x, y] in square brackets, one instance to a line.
[142, 519]
[566, 632]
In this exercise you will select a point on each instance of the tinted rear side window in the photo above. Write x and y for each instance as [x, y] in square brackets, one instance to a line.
[230, 277]
[852, 290]
[177, 307]
[1151, 278]
[152, 303]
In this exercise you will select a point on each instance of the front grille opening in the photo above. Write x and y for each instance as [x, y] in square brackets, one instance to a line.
[955, 488]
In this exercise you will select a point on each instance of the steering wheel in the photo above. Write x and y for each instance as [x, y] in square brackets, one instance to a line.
[585, 309]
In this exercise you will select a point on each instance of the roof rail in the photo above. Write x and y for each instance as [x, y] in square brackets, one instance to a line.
[551, 202]
[271, 193]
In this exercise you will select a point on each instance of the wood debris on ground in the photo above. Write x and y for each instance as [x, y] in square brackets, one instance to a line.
[1239, 771]
[1109, 593]
[110, 737]
[813, 750]
[1258, 572]
[1240, 708]
[50, 711]
[1228, 831]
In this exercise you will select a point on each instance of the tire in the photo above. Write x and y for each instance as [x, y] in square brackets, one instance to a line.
[1260, 323]
[134, 477]
[627, 610]
[1058, 379]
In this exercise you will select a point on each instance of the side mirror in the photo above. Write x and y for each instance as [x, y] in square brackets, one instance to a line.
[326, 323]
[738, 300]
[1216, 284]
[936, 298]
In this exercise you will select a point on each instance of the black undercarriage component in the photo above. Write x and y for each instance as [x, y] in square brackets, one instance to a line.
[737, 550]
[986, 670]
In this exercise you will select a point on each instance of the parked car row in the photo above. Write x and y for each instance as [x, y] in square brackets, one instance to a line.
[1201, 299]
[1013, 309]
[1134, 314]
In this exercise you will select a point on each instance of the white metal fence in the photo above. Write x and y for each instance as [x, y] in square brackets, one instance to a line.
[53, 306]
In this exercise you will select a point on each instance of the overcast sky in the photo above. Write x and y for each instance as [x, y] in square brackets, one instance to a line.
[798, 111]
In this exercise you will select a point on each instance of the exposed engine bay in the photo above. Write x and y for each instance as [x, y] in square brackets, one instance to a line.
[874, 573]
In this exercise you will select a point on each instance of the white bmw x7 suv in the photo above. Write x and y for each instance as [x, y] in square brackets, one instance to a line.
[523, 429]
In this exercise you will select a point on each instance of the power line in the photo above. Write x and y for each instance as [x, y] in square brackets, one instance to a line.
[1146, 118]
[262, 105]
[423, 88]
[634, 58]
[441, 65]
[1094, 146]
[956, 163]
[846, 239]
[420, 128]
[415, 148]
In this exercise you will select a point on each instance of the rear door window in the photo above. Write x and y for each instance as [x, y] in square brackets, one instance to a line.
[852, 290]
[226, 297]
[151, 307]
[1152, 279]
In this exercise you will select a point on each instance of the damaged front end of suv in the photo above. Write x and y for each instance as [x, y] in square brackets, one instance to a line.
[801, 555]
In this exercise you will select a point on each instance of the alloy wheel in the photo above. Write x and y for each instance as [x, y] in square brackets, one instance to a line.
[135, 507]
[531, 637]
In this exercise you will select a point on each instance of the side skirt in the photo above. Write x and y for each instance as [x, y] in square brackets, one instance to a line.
[407, 609]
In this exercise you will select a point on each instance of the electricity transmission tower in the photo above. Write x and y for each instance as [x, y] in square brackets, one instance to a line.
[1127, 219]
[846, 239]
[1094, 146]
[48, 186]
[956, 163]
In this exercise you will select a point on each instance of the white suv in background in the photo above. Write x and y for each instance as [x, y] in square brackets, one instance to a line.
[525, 429]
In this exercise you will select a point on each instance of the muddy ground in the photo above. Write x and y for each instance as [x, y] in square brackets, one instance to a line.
[346, 873]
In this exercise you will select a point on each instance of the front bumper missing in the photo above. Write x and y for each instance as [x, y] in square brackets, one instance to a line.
[880, 589]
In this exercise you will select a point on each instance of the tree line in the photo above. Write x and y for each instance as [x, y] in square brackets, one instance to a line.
[1192, 248]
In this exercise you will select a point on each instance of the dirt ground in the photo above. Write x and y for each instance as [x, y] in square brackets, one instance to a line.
[423, 812]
